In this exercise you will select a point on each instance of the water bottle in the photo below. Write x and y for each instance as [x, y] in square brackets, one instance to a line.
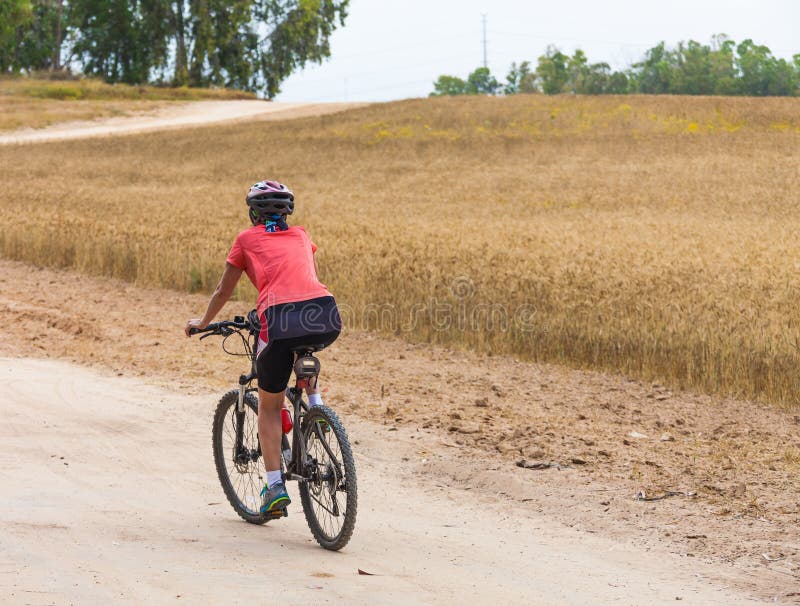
[286, 419]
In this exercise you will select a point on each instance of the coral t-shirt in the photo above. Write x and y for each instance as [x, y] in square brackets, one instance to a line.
[280, 265]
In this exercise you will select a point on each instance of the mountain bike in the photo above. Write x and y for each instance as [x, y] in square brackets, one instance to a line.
[318, 457]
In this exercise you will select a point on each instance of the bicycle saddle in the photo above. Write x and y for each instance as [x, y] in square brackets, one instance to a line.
[307, 348]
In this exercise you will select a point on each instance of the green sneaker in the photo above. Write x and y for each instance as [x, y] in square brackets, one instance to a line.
[275, 498]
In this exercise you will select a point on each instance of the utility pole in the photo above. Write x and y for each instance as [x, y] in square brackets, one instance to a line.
[485, 62]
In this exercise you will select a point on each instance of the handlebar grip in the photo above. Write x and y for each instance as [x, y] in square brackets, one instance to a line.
[221, 328]
[214, 326]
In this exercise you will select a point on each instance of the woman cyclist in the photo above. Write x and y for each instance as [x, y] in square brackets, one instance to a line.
[293, 307]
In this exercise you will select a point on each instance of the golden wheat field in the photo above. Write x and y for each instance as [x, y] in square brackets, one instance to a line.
[35, 103]
[656, 236]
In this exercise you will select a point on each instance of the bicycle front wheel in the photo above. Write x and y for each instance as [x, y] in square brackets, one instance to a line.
[237, 455]
[329, 496]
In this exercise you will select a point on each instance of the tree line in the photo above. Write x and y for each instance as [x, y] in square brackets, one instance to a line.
[246, 44]
[720, 68]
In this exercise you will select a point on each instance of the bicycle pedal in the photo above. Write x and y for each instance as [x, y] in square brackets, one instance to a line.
[279, 513]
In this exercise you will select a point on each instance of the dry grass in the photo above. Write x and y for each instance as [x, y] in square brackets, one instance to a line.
[33, 103]
[651, 235]
[89, 89]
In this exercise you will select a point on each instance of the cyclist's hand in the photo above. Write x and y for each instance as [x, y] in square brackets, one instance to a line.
[194, 323]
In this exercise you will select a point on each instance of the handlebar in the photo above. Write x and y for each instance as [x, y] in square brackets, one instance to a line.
[224, 328]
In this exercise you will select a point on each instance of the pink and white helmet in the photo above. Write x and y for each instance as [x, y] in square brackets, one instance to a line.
[267, 198]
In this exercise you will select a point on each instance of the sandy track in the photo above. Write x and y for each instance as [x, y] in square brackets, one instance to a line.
[195, 113]
[109, 493]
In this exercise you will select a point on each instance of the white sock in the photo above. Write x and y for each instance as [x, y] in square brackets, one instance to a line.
[315, 399]
[273, 477]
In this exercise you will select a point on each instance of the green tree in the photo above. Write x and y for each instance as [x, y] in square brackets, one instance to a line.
[762, 74]
[482, 82]
[785, 79]
[691, 68]
[723, 67]
[618, 84]
[754, 65]
[300, 34]
[599, 80]
[34, 42]
[178, 23]
[552, 71]
[225, 51]
[449, 86]
[246, 44]
[120, 40]
[520, 79]
[479, 82]
[14, 14]
[693, 75]
[655, 73]
[577, 73]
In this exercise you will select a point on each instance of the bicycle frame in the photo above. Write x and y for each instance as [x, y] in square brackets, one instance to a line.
[295, 465]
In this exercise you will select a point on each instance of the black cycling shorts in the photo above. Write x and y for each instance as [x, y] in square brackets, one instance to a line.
[285, 326]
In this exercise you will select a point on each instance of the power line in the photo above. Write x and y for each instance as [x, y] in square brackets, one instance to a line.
[552, 37]
[383, 70]
[357, 95]
[571, 38]
[437, 41]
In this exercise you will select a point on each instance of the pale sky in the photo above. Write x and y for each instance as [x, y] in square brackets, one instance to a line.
[395, 49]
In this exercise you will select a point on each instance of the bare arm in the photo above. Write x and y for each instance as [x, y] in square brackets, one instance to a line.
[221, 295]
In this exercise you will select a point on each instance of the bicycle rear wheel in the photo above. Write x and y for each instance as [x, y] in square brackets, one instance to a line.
[239, 466]
[330, 496]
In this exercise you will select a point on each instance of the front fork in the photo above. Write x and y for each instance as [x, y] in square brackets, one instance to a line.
[244, 381]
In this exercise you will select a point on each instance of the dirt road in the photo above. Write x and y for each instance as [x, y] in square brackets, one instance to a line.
[195, 113]
[109, 493]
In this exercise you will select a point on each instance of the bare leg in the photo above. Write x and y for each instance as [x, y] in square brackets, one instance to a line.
[313, 386]
[270, 428]
[314, 397]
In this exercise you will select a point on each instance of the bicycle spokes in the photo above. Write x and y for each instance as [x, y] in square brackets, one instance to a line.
[240, 441]
[327, 480]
